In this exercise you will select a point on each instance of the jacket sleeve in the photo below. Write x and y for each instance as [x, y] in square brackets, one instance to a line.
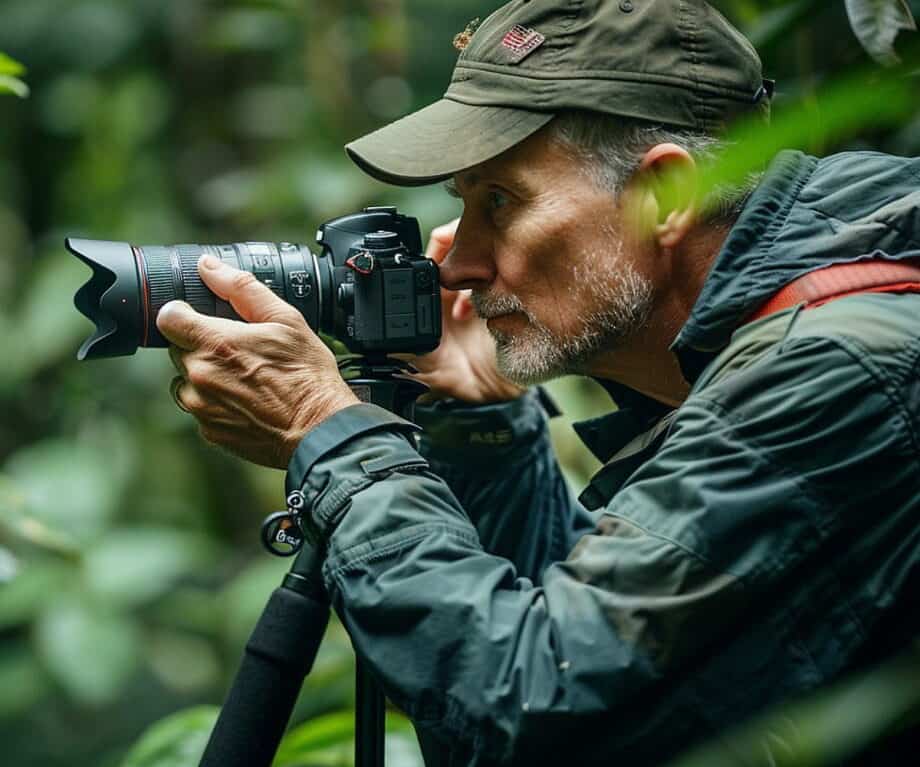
[499, 463]
[502, 669]
[476, 655]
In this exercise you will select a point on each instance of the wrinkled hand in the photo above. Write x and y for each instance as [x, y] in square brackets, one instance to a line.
[463, 366]
[256, 389]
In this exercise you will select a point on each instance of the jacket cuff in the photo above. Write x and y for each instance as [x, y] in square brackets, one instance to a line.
[455, 431]
[335, 431]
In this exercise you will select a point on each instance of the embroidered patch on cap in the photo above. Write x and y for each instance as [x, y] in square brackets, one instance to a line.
[462, 39]
[521, 42]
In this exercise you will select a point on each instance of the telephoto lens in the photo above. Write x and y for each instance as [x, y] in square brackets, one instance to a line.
[130, 285]
[370, 286]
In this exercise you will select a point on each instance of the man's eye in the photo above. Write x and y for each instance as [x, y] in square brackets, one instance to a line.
[497, 199]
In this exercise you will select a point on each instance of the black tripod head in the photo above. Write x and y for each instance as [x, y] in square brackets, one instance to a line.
[383, 381]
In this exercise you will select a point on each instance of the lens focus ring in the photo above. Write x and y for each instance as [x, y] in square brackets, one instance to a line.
[196, 294]
[160, 277]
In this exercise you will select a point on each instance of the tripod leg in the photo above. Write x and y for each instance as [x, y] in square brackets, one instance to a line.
[278, 657]
[370, 719]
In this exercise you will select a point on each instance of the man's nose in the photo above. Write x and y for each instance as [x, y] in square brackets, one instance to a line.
[469, 262]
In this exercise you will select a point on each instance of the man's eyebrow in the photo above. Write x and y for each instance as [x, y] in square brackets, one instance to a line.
[467, 178]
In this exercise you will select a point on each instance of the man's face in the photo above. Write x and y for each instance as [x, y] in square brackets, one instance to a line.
[542, 250]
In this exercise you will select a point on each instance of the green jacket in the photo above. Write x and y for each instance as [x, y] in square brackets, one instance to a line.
[757, 542]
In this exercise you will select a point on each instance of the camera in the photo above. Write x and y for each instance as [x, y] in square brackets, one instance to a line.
[369, 286]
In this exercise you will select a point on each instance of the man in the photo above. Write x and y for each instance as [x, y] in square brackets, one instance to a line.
[752, 534]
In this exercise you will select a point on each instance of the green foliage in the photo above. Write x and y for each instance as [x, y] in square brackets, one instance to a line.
[846, 107]
[329, 740]
[829, 727]
[323, 741]
[176, 741]
[16, 523]
[10, 82]
[877, 24]
[89, 649]
[130, 573]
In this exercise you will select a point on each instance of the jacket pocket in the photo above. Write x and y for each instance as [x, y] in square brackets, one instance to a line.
[388, 464]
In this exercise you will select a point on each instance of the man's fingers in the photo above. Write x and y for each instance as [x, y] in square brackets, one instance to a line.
[250, 299]
[189, 398]
[189, 330]
[441, 240]
[183, 326]
[462, 310]
[176, 354]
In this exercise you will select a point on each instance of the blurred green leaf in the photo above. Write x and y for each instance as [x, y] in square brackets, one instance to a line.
[69, 103]
[774, 25]
[10, 69]
[9, 566]
[244, 598]
[25, 596]
[89, 34]
[229, 193]
[16, 523]
[877, 23]
[828, 728]
[70, 487]
[324, 740]
[10, 66]
[130, 566]
[316, 735]
[136, 108]
[326, 185]
[47, 325]
[402, 749]
[249, 29]
[191, 608]
[184, 663]
[176, 741]
[845, 107]
[179, 741]
[23, 683]
[13, 85]
[91, 652]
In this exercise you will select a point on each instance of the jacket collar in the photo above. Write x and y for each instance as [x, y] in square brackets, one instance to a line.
[740, 279]
[605, 435]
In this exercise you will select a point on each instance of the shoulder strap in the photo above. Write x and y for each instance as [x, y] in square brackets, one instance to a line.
[839, 280]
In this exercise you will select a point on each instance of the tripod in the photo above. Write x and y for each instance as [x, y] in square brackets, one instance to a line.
[284, 642]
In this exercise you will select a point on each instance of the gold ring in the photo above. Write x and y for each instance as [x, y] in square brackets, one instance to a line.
[174, 390]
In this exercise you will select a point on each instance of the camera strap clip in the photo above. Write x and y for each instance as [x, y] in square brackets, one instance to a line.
[282, 533]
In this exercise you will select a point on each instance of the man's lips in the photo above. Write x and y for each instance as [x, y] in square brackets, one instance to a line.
[502, 318]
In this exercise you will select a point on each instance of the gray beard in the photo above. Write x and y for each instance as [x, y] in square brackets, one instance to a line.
[615, 301]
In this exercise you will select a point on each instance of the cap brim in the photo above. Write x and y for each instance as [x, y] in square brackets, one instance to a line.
[443, 138]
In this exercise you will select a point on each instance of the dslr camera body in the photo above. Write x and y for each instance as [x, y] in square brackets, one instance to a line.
[369, 286]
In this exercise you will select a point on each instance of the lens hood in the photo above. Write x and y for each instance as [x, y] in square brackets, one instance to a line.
[110, 299]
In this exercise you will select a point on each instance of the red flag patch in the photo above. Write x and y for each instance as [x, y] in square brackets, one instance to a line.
[521, 42]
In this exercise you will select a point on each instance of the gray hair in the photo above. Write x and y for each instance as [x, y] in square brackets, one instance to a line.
[611, 149]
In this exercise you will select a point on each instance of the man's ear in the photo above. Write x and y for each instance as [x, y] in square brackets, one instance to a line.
[667, 178]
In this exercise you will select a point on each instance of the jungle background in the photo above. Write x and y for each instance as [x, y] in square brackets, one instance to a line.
[130, 570]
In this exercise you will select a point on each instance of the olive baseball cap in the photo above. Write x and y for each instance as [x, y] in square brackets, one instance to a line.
[672, 62]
